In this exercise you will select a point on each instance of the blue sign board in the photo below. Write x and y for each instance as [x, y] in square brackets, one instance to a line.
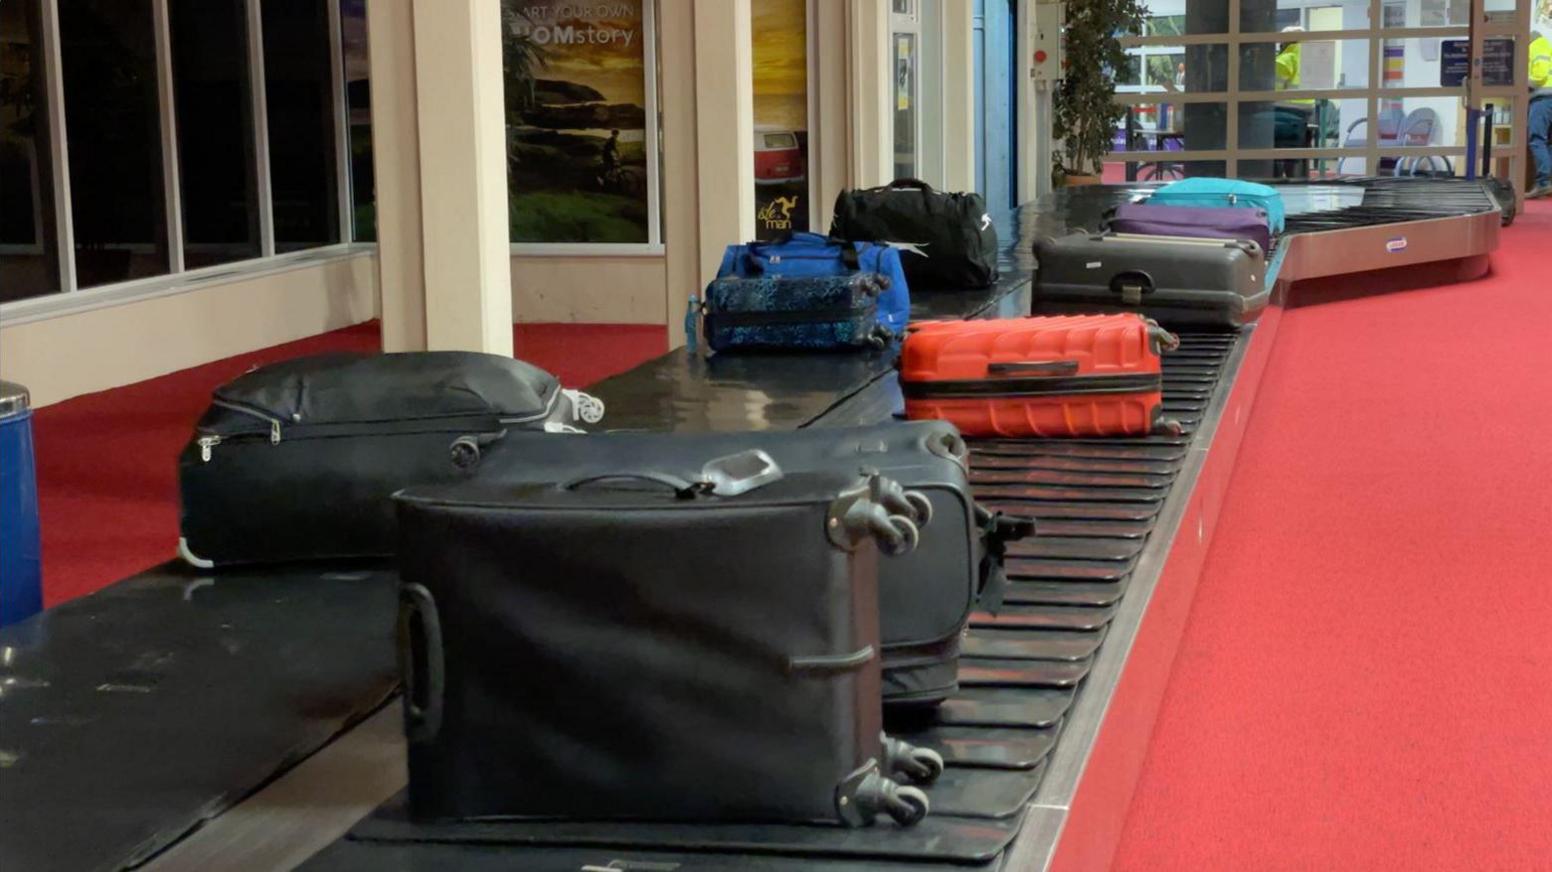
[1455, 62]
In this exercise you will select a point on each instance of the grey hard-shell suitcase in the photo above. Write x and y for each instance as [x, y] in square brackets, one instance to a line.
[635, 645]
[925, 597]
[1178, 281]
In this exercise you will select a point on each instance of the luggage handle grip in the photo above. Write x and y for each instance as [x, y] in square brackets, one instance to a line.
[849, 257]
[1033, 367]
[905, 182]
[683, 488]
[422, 670]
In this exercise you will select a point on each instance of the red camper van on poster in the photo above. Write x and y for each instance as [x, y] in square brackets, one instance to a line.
[778, 156]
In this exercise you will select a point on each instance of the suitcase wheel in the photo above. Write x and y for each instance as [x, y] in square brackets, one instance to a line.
[903, 537]
[865, 793]
[907, 805]
[586, 407]
[465, 452]
[881, 512]
[899, 501]
[902, 760]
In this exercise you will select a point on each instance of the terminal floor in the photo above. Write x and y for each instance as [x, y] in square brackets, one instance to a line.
[107, 462]
[1365, 681]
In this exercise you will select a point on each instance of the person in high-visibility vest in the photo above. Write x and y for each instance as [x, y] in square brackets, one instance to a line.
[1541, 112]
[1292, 117]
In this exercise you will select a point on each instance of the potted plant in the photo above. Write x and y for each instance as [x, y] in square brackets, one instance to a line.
[1086, 113]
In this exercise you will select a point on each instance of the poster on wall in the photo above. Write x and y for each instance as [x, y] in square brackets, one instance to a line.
[780, 61]
[578, 95]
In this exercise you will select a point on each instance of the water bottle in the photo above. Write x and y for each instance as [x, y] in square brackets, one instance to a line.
[692, 323]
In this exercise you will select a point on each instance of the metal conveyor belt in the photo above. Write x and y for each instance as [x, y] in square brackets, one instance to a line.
[1095, 502]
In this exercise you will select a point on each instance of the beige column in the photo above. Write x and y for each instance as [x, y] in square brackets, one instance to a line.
[870, 79]
[681, 195]
[958, 95]
[396, 174]
[724, 133]
[463, 172]
[439, 147]
[830, 144]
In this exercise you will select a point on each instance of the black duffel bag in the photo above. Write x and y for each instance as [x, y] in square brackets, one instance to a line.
[945, 240]
[298, 460]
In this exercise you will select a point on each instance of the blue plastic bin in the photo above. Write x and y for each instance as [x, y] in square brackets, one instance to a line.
[21, 551]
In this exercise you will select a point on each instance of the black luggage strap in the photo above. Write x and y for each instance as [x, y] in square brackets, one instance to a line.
[997, 530]
[684, 489]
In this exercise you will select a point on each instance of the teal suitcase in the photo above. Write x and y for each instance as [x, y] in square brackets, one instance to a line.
[1217, 193]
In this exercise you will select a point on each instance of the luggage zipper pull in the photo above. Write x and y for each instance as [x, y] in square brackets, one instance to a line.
[274, 432]
[206, 443]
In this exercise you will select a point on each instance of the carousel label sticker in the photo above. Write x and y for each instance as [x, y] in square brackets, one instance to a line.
[1397, 245]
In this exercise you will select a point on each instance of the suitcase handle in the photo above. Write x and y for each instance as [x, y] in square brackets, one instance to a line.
[684, 489]
[1033, 367]
[421, 668]
[1134, 277]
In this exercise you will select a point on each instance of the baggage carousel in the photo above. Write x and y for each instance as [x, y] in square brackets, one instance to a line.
[180, 720]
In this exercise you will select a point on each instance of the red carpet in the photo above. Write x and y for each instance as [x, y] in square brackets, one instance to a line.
[1365, 681]
[107, 462]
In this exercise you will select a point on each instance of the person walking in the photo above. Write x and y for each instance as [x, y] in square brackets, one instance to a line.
[1541, 113]
[1291, 117]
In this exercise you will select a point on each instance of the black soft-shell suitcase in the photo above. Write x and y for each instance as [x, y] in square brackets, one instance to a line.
[298, 460]
[1175, 280]
[640, 646]
[925, 597]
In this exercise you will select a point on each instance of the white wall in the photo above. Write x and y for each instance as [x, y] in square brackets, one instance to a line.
[67, 355]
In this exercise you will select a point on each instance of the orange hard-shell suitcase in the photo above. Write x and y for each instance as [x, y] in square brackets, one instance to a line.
[1066, 375]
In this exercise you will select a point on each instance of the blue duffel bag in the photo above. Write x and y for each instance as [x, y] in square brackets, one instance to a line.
[1218, 193]
[811, 254]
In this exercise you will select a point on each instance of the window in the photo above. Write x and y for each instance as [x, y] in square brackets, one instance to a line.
[113, 132]
[301, 104]
[142, 138]
[29, 260]
[1301, 99]
[358, 97]
[905, 91]
[217, 171]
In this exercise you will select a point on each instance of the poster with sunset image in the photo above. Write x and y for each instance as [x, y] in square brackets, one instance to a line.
[576, 89]
[780, 61]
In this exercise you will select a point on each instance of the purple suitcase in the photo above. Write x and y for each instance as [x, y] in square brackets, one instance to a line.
[1225, 223]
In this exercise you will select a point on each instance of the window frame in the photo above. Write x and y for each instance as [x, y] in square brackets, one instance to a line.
[70, 297]
[1472, 92]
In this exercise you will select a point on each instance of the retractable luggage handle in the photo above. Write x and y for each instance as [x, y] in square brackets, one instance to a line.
[422, 701]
